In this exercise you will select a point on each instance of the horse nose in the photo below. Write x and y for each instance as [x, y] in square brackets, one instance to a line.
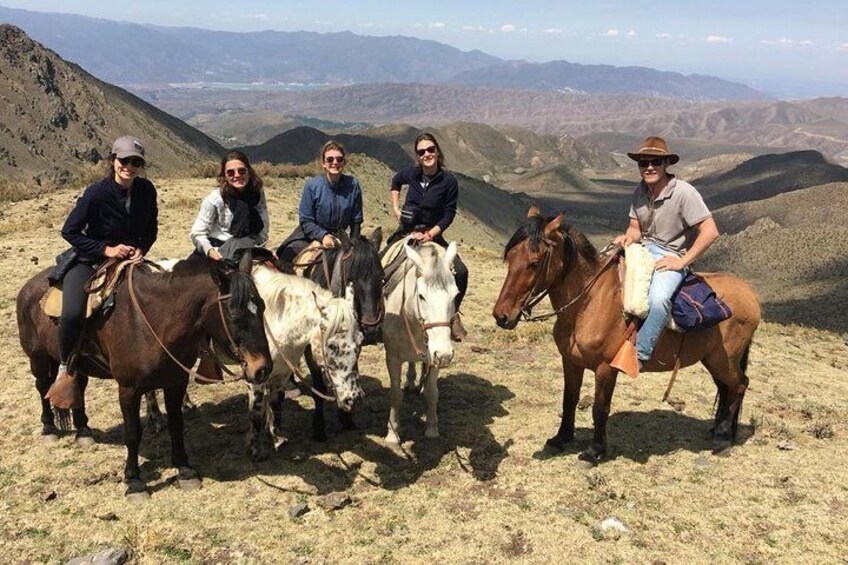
[501, 320]
[443, 359]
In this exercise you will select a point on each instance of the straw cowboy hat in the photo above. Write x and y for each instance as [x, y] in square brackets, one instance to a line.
[654, 147]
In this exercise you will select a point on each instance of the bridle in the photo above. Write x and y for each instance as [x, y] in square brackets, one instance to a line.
[530, 301]
[232, 344]
[425, 326]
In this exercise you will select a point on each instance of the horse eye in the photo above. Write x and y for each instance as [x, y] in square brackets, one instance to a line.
[421, 298]
[532, 264]
[252, 307]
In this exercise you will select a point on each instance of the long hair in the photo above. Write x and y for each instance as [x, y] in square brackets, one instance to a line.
[253, 185]
[430, 137]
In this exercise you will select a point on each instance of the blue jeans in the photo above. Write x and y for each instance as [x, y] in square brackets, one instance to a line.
[663, 286]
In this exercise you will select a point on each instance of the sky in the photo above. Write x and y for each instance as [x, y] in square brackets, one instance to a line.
[758, 42]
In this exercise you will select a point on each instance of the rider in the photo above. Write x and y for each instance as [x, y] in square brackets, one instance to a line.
[116, 218]
[330, 203]
[429, 210]
[670, 218]
[233, 216]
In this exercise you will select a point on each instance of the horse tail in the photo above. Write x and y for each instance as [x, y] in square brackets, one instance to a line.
[743, 368]
[63, 416]
[743, 362]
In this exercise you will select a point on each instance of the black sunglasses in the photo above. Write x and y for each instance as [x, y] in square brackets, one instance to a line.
[330, 158]
[643, 163]
[136, 162]
[232, 172]
[423, 150]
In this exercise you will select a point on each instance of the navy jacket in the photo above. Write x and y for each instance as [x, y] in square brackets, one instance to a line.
[326, 207]
[100, 218]
[435, 205]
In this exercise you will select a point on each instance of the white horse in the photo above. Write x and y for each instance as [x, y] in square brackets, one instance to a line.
[298, 313]
[419, 306]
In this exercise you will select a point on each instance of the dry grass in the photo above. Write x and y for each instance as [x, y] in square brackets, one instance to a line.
[483, 493]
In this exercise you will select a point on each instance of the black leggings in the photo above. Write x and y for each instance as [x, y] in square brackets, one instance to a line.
[74, 301]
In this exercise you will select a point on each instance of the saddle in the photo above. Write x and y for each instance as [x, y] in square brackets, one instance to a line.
[392, 258]
[99, 288]
[310, 255]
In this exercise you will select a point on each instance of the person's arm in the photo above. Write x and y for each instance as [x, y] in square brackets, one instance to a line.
[397, 182]
[358, 215]
[707, 234]
[73, 231]
[152, 229]
[307, 211]
[262, 238]
[206, 218]
[633, 234]
[451, 199]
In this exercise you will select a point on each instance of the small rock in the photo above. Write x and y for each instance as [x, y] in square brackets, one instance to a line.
[107, 557]
[677, 404]
[50, 496]
[702, 461]
[334, 501]
[34, 260]
[108, 517]
[785, 445]
[584, 465]
[613, 528]
[586, 402]
[479, 349]
[298, 510]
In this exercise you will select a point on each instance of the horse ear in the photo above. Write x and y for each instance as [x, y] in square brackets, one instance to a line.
[376, 237]
[450, 254]
[219, 270]
[345, 239]
[322, 310]
[553, 227]
[533, 211]
[413, 256]
[246, 262]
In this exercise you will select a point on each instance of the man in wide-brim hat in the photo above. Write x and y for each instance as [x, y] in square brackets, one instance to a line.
[669, 217]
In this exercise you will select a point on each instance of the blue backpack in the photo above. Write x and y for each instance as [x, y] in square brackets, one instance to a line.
[695, 305]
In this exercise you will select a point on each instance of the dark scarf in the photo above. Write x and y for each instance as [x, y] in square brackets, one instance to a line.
[246, 218]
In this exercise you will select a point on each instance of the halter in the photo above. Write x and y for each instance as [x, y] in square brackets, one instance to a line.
[232, 344]
[424, 326]
[531, 300]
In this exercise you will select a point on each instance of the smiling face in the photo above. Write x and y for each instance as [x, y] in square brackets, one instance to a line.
[333, 163]
[237, 173]
[652, 170]
[428, 154]
[126, 169]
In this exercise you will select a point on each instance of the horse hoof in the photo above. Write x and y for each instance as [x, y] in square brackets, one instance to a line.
[722, 449]
[431, 434]
[84, 442]
[591, 455]
[137, 491]
[49, 438]
[555, 444]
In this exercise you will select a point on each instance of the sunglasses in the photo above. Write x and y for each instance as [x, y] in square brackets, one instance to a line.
[643, 163]
[136, 162]
[431, 149]
[330, 158]
[241, 171]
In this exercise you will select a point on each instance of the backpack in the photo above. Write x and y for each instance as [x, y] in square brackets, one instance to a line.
[695, 305]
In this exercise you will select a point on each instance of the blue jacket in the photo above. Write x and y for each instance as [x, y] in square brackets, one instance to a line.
[326, 207]
[435, 205]
[101, 218]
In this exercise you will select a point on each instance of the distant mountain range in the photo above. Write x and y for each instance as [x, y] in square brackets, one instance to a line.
[57, 119]
[162, 55]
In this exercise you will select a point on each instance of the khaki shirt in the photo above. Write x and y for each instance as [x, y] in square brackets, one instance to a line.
[671, 219]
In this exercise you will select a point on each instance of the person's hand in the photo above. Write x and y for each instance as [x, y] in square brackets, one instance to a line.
[119, 251]
[136, 256]
[328, 241]
[215, 255]
[670, 263]
[397, 213]
[417, 236]
[623, 240]
[427, 237]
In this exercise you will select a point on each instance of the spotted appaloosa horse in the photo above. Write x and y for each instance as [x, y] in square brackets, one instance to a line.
[298, 314]
[419, 307]
[544, 254]
[224, 308]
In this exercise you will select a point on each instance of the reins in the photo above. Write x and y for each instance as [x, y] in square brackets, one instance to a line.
[424, 326]
[220, 299]
[297, 376]
[532, 301]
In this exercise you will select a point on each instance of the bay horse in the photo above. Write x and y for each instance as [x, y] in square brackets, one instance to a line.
[198, 301]
[419, 307]
[545, 255]
[300, 315]
[356, 261]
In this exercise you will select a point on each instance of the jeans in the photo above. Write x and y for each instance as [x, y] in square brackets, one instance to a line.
[663, 286]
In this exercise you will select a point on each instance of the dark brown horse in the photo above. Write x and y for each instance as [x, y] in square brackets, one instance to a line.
[186, 308]
[546, 255]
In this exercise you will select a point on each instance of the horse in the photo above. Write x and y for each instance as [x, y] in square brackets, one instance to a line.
[547, 256]
[300, 314]
[357, 261]
[148, 347]
[419, 306]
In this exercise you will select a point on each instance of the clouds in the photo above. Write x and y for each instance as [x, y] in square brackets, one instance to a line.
[719, 39]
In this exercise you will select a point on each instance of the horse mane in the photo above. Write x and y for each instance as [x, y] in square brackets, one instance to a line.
[364, 259]
[533, 229]
[436, 274]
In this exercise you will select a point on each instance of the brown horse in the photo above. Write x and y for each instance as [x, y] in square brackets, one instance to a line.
[185, 308]
[544, 255]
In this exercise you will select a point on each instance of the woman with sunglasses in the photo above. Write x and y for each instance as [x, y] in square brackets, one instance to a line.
[429, 209]
[330, 203]
[115, 218]
[233, 216]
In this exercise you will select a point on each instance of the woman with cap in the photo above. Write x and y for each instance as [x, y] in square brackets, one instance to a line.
[330, 203]
[669, 217]
[115, 218]
[429, 209]
[233, 216]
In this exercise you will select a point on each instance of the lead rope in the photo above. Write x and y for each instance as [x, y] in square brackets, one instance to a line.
[297, 377]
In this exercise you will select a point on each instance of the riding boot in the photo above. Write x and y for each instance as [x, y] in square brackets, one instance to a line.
[65, 392]
[458, 332]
